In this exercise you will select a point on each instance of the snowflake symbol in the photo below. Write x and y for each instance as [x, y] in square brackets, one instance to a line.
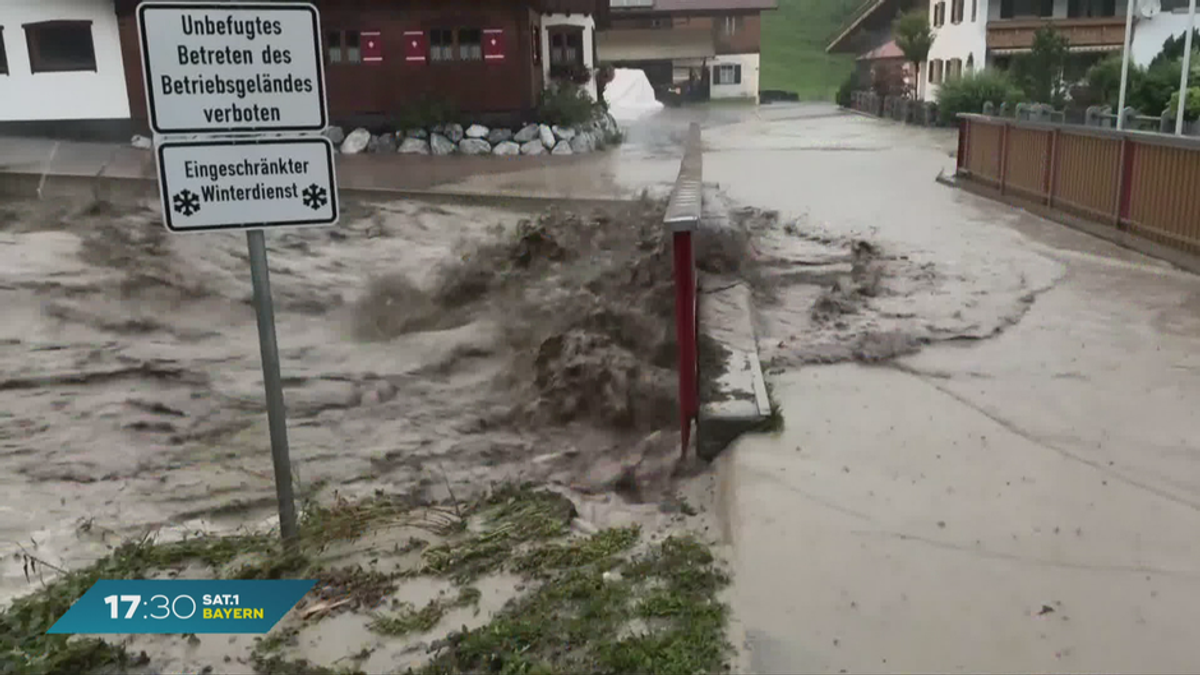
[315, 196]
[186, 202]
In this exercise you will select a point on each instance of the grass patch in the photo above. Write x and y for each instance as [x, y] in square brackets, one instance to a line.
[580, 618]
[26, 648]
[511, 516]
[794, 38]
[594, 608]
[412, 620]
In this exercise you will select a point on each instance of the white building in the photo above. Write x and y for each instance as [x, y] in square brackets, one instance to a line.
[60, 60]
[970, 34]
[696, 49]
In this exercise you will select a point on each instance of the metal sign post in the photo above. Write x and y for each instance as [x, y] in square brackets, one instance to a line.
[242, 70]
[276, 414]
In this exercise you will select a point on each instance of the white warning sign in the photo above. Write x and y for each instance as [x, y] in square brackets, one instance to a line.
[214, 67]
[247, 184]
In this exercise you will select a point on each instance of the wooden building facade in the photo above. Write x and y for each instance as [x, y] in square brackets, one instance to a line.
[386, 59]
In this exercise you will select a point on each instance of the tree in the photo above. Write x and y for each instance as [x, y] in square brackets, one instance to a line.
[914, 38]
[1040, 73]
[1172, 48]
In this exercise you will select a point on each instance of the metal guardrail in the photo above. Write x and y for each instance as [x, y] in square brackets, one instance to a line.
[683, 218]
[683, 209]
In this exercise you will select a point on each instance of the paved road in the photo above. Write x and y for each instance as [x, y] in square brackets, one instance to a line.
[1023, 498]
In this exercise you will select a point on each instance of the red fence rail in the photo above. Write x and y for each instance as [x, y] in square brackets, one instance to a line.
[1141, 183]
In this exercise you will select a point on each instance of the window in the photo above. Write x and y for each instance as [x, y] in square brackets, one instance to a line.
[954, 70]
[1020, 8]
[60, 46]
[566, 47]
[730, 25]
[956, 11]
[1100, 8]
[343, 46]
[470, 44]
[970, 63]
[935, 71]
[3, 54]
[441, 44]
[974, 10]
[939, 14]
[727, 73]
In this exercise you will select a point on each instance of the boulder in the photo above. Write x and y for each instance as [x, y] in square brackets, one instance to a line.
[474, 146]
[477, 131]
[417, 133]
[356, 142]
[141, 143]
[454, 132]
[335, 135]
[547, 136]
[583, 142]
[563, 133]
[534, 147]
[506, 148]
[527, 133]
[562, 149]
[382, 143]
[414, 146]
[499, 136]
[440, 145]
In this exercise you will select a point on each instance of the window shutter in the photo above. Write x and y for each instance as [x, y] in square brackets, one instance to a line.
[416, 46]
[493, 44]
[372, 46]
[737, 74]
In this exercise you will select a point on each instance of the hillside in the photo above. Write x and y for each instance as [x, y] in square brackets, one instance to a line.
[793, 47]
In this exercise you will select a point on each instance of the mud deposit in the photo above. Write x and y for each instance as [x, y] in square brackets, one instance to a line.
[823, 297]
[425, 351]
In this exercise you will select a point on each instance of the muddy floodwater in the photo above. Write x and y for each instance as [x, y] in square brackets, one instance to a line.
[988, 454]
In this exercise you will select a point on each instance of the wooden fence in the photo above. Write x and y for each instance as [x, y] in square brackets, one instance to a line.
[1142, 183]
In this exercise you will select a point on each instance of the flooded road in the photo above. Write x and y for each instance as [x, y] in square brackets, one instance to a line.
[1019, 489]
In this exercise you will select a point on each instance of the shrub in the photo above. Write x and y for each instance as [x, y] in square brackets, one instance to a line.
[566, 104]
[1104, 80]
[1151, 92]
[1039, 72]
[425, 113]
[1191, 110]
[844, 91]
[968, 93]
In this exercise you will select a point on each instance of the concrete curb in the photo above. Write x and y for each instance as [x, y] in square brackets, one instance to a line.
[738, 399]
[27, 185]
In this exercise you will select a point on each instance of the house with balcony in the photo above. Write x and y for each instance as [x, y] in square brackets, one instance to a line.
[973, 34]
[879, 63]
[709, 48]
[486, 60]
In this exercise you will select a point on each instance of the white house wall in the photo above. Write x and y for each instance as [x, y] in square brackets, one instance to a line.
[26, 96]
[748, 88]
[957, 41]
[588, 24]
[1149, 34]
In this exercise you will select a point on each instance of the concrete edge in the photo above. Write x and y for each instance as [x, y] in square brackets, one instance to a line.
[26, 185]
[1110, 233]
[718, 425]
[761, 399]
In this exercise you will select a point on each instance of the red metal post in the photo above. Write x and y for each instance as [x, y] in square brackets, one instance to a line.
[685, 332]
